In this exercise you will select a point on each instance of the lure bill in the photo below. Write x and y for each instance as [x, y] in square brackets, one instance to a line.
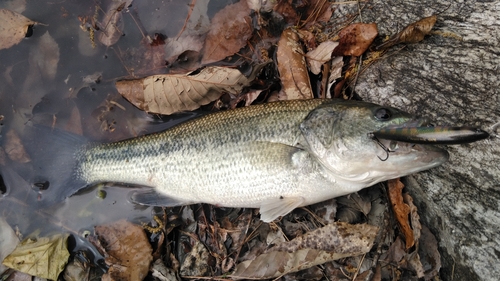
[431, 135]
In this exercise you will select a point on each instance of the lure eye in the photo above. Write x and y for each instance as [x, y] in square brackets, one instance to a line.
[383, 114]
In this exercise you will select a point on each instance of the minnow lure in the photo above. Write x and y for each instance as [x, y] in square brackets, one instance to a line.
[431, 135]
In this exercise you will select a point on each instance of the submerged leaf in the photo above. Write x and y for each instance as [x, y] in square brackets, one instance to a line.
[292, 67]
[332, 242]
[128, 251]
[13, 28]
[170, 93]
[112, 25]
[14, 148]
[231, 28]
[44, 257]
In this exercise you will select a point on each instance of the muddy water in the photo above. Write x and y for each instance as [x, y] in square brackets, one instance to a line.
[58, 78]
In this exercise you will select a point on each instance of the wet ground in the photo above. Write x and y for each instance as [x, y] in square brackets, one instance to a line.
[62, 76]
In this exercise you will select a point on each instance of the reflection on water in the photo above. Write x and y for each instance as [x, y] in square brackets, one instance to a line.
[56, 78]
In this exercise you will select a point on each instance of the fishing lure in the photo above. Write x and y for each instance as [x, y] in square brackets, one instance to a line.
[431, 135]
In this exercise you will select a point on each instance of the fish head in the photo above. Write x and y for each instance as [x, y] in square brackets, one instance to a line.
[338, 135]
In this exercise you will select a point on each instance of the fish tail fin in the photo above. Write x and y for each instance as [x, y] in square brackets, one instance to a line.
[54, 155]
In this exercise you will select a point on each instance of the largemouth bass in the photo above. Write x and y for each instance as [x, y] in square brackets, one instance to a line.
[275, 156]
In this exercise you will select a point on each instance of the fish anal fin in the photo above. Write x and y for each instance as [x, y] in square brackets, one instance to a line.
[151, 197]
[276, 207]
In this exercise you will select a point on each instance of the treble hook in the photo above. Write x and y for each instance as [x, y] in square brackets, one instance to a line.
[387, 150]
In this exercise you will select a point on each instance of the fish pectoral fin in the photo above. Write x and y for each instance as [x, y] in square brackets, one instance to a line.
[151, 197]
[276, 207]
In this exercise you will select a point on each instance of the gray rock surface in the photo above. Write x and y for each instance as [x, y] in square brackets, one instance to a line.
[452, 81]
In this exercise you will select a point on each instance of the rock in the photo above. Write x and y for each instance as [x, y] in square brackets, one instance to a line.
[453, 78]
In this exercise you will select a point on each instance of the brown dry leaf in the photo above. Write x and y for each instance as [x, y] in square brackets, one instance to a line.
[292, 67]
[196, 261]
[13, 28]
[112, 25]
[317, 57]
[355, 39]
[331, 242]
[128, 252]
[44, 257]
[231, 28]
[14, 148]
[401, 210]
[412, 33]
[414, 217]
[318, 11]
[170, 93]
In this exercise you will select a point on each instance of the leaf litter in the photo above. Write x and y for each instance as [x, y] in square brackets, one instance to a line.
[352, 237]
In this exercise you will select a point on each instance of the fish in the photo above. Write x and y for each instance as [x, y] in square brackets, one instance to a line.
[276, 157]
[432, 135]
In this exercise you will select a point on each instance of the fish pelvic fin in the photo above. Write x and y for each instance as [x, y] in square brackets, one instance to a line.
[150, 197]
[273, 208]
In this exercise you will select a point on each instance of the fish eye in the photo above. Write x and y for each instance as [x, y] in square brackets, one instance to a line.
[383, 114]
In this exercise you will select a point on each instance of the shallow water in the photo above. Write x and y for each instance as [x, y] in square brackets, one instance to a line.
[39, 87]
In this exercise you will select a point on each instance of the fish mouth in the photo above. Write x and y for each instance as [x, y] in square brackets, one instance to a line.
[411, 157]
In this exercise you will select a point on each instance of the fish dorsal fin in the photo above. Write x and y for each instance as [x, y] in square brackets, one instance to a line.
[151, 197]
[318, 129]
[276, 207]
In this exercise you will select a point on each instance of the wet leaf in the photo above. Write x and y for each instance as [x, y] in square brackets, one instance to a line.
[292, 67]
[46, 56]
[112, 25]
[8, 241]
[44, 257]
[412, 33]
[231, 28]
[170, 93]
[163, 273]
[128, 251]
[328, 243]
[14, 148]
[317, 57]
[401, 210]
[355, 39]
[13, 28]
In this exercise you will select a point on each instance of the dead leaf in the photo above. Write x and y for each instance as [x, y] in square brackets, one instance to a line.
[317, 57]
[44, 257]
[292, 67]
[332, 242]
[46, 56]
[412, 33]
[13, 28]
[196, 261]
[170, 93]
[414, 217]
[355, 39]
[231, 28]
[14, 148]
[110, 28]
[128, 251]
[429, 253]
[401, 210]
[8, 241]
